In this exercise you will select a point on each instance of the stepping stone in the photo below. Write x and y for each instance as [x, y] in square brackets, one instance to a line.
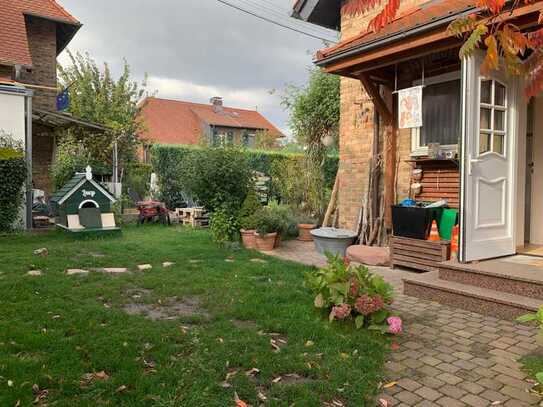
[167, 264]
[258, 261]
[143, 267]
[229, 260]
[34, 273]
[113, 270]
[41, 252]
[195, 261]
[71, 272]
[369, 255]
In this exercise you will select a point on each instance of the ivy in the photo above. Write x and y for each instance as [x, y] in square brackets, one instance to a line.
[13, 176]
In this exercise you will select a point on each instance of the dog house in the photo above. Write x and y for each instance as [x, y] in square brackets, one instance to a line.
[83, 205]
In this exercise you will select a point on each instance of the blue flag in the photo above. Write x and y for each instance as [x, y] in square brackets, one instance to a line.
[63, 100]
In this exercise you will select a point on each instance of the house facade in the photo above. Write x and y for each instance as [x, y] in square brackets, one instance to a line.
[488, 136]
[177, 122]
[32, 35]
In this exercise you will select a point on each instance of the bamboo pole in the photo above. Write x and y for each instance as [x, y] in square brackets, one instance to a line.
[332, 205]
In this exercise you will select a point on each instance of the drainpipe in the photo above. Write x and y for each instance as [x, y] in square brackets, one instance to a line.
[28, 155]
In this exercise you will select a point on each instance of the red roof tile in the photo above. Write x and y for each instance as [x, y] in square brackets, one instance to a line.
[419, 16]
[14, 49]
[178, 122]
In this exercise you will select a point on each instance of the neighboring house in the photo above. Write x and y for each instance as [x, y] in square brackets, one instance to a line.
[492, 136]
[32, 35]
[178, 122]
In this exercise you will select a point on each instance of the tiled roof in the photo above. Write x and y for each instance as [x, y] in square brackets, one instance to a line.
[14, 49]
[422, 15]
[177, 122]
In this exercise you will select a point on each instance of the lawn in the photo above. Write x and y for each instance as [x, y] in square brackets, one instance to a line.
[218, 315]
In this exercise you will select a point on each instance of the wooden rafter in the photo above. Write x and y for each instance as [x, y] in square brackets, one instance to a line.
[373, 92]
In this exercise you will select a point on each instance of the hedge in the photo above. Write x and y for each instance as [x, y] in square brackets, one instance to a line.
[13, 176]
[167, 161]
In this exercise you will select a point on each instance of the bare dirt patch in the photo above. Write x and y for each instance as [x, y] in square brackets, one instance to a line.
[168, 309]
[240, 324]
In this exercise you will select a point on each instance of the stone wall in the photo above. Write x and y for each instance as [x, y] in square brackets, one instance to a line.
[356, 136]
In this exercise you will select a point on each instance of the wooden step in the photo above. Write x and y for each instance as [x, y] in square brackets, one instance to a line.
[430, 287]
[498, 275]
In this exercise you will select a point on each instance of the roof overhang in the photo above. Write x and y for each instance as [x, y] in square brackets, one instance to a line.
[326, 13]
[412, 42]
[58, 120]
[66, 30]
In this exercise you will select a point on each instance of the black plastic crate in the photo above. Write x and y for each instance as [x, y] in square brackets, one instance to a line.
[414, 222]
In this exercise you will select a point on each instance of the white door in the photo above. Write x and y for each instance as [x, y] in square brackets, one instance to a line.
[489, 140]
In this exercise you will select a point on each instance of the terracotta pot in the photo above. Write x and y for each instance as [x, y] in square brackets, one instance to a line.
[248, 238]
[277, 241]
[265, 243]
[304, 230]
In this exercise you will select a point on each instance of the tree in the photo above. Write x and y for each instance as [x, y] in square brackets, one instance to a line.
[521, 51]
[98, 97]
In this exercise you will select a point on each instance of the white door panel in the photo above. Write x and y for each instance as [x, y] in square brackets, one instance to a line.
[489, 156]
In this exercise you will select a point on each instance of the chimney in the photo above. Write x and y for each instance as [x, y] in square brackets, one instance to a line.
[216, 102]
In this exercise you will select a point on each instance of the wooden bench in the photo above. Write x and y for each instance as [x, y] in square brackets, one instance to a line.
[423, 255]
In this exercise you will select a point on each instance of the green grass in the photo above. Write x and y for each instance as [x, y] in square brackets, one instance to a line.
[56, 328]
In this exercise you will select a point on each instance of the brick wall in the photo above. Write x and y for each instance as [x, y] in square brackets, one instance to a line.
[43, 145]
[42, 41]
[356, 136]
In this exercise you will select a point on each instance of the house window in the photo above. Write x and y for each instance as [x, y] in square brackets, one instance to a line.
[249, 140]
[440, 115]
[493, 117]
[230, 138]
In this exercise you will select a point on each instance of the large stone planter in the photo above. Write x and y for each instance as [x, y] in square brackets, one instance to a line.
[266, 243]
[248, 238]
[332, 240]
[304, 230]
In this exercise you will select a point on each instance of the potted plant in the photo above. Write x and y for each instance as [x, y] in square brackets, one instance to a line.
[306, 224]
[248, 229]
[268, 227]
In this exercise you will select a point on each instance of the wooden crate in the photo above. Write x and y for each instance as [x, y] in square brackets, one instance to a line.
[418, 254]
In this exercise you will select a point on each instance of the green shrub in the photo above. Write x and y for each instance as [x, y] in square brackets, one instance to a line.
[13, 175]
[224, 225]
[268, 221]
[138, 179]
[168, 162]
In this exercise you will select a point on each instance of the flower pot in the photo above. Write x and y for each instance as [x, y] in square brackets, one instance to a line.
[304, 230]
[248, 238]
[266, 243]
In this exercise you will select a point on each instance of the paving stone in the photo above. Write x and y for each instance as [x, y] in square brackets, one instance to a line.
[445, 357]
[114, 270]
[449, 378]
[472, 388]
[509, 371]
[34, 273]
[144, 267]
[474, 401]
[429, 371]
[512, 382]
[492, 395]
[518, 394]
[449, 402]
[447, 367]
[429, 360]
[432, 382]
[428, 394]
[167, 264]
[409, 384]
[408, 398]
[454, 392]
[72, 272]
[465, 364]
[427, 403]
[413, 363]
[490, 384]
[413, 345]
[463, 355]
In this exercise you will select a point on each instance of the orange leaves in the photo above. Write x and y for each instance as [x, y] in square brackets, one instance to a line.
[492, 58]
[512, 40]
[462, 25]
[494, 6]
[385, 16]
[473, 40]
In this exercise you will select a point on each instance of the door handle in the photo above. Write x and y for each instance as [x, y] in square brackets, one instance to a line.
[472, 161]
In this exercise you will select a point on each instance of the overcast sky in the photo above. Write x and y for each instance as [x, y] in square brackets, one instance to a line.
[195, 49]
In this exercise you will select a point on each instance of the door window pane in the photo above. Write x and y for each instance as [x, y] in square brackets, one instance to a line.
[498, 146]
[485, 118]
[499, 120]
[499, 94]
[484, 143]
[486, 91]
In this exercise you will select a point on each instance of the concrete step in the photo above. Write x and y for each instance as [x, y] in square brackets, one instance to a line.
[498, 275]
[429, 286]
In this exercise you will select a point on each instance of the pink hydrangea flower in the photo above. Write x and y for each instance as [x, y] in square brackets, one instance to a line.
[367, 305]
[355, 287]
[342, 311]
[394, 325]
[378, 303]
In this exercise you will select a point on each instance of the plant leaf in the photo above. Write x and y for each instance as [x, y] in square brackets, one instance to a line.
[473, 40]
[359, 321]
[526, 318]
[319, 301]
[539, 377]
[492, 59]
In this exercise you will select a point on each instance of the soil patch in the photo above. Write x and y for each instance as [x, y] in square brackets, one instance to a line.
[169, 309]
[244, 324]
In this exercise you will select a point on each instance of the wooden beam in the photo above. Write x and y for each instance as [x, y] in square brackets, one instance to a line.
[379, 103]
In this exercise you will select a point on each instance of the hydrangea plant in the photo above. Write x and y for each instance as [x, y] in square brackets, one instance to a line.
[354, 293]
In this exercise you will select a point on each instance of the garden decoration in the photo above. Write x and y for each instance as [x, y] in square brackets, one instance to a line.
[332, 240]
[353, 293]
[82, 205]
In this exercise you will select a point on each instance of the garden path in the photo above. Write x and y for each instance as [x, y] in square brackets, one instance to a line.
[447, 357]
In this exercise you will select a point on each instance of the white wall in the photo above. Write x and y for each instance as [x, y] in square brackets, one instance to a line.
[536, 228]
[12, 115]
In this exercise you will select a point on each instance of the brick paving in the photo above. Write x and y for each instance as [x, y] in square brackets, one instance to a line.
[447, 356]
